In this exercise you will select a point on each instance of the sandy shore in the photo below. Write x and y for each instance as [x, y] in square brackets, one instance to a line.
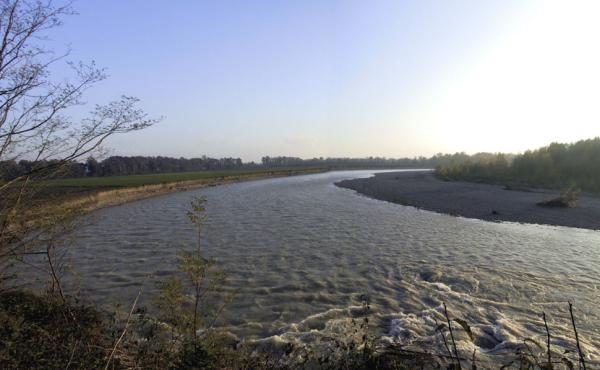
[481, 201]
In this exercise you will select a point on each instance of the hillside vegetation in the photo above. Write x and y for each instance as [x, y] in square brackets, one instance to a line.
[554, 166]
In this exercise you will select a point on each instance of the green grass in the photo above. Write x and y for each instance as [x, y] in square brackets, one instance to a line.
[162, 178]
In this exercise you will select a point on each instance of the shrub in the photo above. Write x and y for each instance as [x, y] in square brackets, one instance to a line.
[42, 331]
[567, 199]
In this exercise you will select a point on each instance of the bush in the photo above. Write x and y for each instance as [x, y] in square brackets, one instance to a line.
[46, 332]
[567, 199]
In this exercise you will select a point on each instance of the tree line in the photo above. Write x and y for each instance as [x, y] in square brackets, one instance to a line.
[120, 165]
[554, 166]
[139, 165]
[367, 162]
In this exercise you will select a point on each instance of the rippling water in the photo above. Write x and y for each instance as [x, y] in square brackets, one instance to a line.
[301, 252]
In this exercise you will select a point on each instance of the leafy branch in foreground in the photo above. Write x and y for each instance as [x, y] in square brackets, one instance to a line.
[187, 301]
[201, 275]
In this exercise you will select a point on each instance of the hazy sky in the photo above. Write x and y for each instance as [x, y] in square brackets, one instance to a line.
[345, 78]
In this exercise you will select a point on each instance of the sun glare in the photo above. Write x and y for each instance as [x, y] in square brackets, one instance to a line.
[541, 84]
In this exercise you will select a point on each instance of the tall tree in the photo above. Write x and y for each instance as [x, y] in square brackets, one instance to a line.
[34, 117]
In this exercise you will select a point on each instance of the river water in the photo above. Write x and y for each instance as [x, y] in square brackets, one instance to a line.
[303, 254]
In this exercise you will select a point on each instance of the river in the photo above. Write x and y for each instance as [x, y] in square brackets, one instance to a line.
[303, 254]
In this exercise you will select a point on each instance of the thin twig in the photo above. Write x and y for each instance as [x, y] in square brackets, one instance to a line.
[452, 336]
[220, 310]
[54, 275]
[548, 341]
[531, 354]
[437, 326]
[72, 355]
[112, 353]
[581, 359]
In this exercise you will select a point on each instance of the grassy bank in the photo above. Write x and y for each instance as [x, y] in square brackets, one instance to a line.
[51, 200]
[90, 193]
[168, 178]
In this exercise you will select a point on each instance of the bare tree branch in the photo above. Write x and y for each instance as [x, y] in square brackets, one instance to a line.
[35, 119]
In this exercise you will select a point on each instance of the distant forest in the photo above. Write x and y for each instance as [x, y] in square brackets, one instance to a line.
[138, 165]
[554, 166]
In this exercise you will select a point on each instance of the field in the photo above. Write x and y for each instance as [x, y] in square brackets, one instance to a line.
[165, 178]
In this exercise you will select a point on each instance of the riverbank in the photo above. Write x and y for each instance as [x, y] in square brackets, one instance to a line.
[84, 196]
[472, 200]
[109, 198]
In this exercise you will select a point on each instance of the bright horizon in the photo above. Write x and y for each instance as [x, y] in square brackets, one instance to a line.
[345, 79]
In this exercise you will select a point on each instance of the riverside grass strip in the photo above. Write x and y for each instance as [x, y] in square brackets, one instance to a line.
[82, 195]
[172, 177]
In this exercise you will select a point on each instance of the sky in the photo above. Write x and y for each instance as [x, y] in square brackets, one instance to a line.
[350, 78]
